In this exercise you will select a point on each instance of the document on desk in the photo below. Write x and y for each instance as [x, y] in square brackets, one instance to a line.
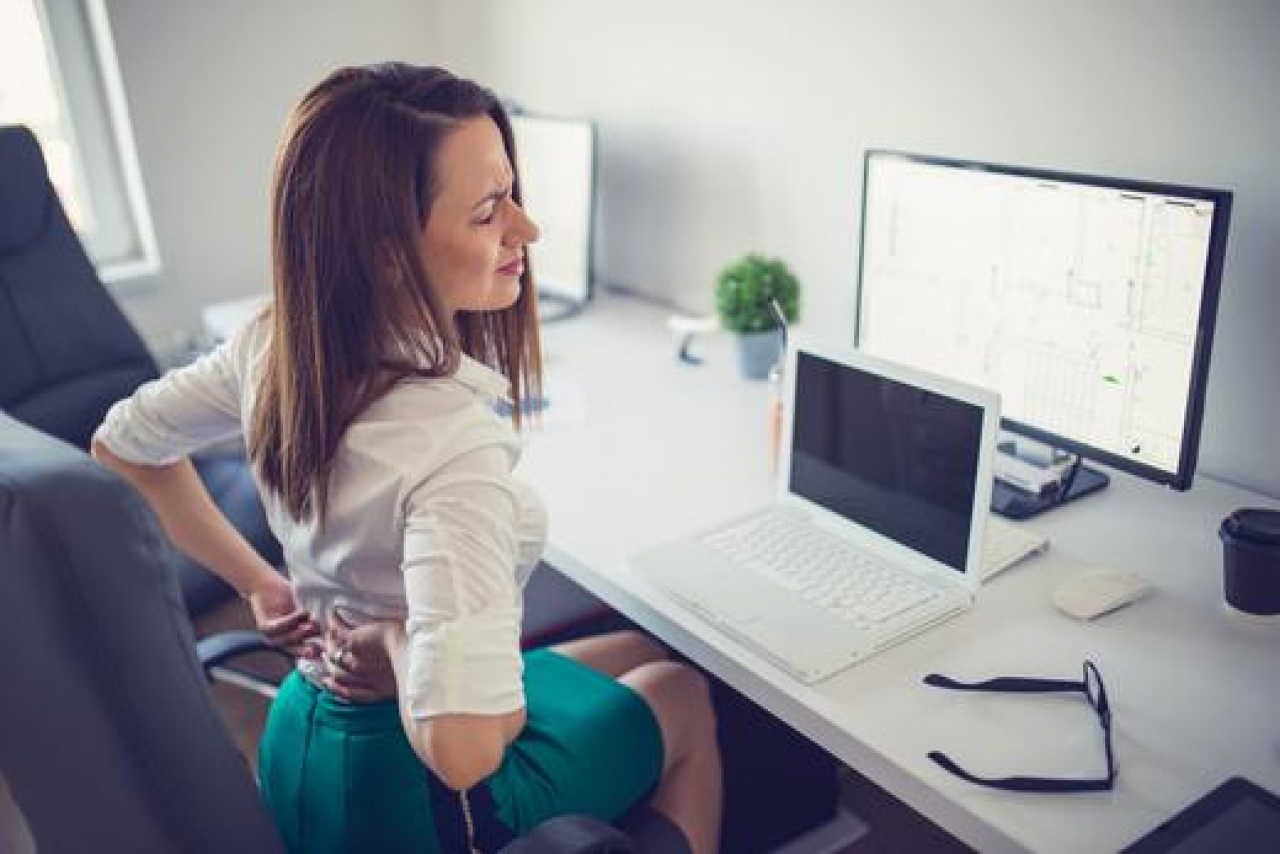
[1006, 544]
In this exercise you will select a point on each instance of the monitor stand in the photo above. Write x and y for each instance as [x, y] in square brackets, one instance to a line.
[553, 308]
[1024, 459]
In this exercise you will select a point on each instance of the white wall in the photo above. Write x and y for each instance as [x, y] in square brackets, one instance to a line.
[209, 85]
[728, 125]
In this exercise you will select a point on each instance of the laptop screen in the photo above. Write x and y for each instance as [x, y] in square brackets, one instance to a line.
[891, 457]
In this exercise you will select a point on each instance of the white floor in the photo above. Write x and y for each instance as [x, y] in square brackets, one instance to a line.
[831, 838]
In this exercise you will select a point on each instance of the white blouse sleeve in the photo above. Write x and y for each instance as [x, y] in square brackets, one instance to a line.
[532, 534]
[187, 409]
[461, 547]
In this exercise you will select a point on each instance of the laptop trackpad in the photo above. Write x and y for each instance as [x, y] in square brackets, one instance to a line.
[804, 641]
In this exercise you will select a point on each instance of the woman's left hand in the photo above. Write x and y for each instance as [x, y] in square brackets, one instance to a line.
[279, 617]
[356, 656]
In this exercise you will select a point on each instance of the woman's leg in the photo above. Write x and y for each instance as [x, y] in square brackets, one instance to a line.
[690, 793]
[615, 653]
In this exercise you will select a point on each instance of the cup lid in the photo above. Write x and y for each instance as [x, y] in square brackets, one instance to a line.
[1255, 525]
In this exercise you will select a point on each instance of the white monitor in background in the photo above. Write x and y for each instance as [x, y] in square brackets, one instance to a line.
[556, 159]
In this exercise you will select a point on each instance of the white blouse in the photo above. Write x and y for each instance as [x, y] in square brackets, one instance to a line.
[426, 522]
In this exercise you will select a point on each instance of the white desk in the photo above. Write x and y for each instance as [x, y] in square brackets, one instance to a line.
[667, 448]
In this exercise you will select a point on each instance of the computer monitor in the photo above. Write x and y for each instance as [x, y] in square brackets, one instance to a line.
[1088, 303]
[556, 159]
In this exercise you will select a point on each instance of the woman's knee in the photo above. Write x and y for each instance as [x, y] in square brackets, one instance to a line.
[680, 698]
[639, 645]
[614, 653]
[696, 689]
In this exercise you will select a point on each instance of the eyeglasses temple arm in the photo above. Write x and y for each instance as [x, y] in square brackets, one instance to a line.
[1011, 684]
[1021, 784]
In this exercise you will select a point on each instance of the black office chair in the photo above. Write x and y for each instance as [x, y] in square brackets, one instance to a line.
[67, 352]
[108, 737]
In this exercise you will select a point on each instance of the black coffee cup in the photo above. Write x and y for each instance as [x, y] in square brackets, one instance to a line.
[1251, 561]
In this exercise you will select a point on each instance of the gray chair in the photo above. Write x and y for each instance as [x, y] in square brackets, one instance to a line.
[108, 736]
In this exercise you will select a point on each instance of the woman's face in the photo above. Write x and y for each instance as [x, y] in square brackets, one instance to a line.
[473, 243]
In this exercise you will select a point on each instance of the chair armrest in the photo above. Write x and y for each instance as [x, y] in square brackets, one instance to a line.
[216, 651]
[572, 834]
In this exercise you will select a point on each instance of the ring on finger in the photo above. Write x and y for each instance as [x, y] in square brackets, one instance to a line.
[337, 659]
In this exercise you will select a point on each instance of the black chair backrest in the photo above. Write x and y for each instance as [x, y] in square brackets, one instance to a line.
[66, 351]
[108, 737]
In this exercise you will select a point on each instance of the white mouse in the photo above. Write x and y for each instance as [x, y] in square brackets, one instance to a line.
[1099, 591]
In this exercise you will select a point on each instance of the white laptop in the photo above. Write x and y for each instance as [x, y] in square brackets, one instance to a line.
[876, 533]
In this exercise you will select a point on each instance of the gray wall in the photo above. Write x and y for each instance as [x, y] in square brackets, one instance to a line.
[728, 125]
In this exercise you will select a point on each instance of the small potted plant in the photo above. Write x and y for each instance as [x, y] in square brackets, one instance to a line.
[745, 291]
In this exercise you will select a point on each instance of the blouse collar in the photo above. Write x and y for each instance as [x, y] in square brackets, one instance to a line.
[483, 379]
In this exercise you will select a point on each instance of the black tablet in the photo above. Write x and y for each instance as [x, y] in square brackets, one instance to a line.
[1238, 816]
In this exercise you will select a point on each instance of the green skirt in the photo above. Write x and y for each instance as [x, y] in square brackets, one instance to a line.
[341, 777]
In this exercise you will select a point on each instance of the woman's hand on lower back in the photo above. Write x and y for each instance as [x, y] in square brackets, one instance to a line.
[357, 660]
[279, 617]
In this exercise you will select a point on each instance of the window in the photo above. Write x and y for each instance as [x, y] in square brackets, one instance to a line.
[59, 76]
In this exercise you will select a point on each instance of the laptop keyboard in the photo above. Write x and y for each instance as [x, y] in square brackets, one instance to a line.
[820, 567]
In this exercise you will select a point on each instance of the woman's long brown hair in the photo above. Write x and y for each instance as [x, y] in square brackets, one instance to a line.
[354, 311]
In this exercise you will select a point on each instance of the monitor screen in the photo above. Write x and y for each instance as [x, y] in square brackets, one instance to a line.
[1087, 303]
[895, 458]
[556, 159]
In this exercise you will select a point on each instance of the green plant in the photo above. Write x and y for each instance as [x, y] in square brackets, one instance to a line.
[745, 288]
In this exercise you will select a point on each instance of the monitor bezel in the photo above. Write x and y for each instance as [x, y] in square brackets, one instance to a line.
[1201, 814]
[563, 303]
[1188, 456]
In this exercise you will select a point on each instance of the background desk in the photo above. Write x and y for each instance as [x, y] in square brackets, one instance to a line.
[665, 448]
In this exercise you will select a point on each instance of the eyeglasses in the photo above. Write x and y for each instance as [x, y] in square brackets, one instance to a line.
[1094, 691]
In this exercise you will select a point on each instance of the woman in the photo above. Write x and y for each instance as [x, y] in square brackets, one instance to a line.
[404, 309]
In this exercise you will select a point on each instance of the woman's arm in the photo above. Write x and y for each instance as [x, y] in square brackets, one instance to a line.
[461, 749]
[365, 663]
[196, 525]
[456, 655]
